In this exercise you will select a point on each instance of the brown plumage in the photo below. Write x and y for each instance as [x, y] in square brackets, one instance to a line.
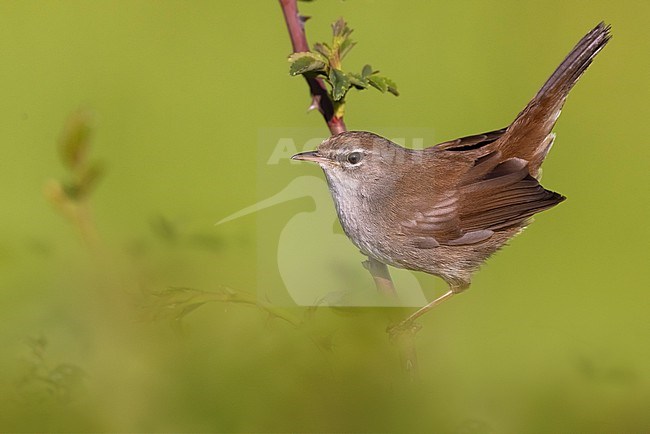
[444, 210]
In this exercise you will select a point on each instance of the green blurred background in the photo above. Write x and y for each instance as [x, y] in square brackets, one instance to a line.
[553, 336]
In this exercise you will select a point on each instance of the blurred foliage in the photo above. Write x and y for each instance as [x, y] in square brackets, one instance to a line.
[96, 337]
[176, 303]
[74, 148]
[71, 197]
[43, 383]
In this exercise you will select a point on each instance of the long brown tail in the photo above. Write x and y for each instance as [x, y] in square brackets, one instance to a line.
[529, 137]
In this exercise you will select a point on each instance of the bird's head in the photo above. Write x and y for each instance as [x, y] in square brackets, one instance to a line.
[357, 160]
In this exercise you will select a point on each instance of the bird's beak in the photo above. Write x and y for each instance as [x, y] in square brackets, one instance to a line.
[310, 156]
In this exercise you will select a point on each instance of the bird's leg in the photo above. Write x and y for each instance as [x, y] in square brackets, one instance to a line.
[381, 276]
[424, 309]
[408, 323]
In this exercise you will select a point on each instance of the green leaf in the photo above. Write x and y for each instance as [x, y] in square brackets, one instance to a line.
[346, 46]
[89, 178]
[75, 141]
[340, 84]
[358, 80]
[366, 71]
[392, 87]
[340, 28]
[323, 49]
[71, 191]
[378, 83]
[326, 60]
[341, 42]
[383, 84]
[86, 181]
[307, 62]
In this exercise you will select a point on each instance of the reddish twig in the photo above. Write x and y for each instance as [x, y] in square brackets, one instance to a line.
[319, 95]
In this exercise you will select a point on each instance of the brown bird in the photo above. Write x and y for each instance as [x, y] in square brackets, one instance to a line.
[445, 209]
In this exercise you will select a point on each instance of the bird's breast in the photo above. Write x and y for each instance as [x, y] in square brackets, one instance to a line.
[363, 223]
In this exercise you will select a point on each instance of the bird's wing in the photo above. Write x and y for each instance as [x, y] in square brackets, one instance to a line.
[490, 196]
[471, 142]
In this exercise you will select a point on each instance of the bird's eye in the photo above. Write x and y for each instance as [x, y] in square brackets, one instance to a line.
[354, 157]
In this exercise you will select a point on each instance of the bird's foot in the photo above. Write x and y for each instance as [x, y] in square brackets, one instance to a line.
[407, 327]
